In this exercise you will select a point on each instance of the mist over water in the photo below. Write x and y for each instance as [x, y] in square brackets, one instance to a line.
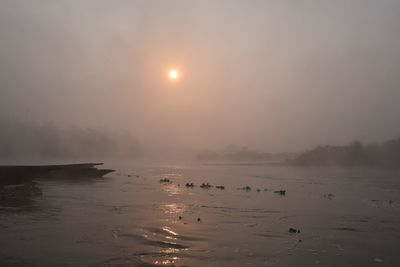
[271, 75]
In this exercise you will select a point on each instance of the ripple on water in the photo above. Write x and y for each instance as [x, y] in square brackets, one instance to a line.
[158, 245]
[131, 261]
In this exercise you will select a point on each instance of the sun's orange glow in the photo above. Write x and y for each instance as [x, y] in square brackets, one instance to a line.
[173, 74]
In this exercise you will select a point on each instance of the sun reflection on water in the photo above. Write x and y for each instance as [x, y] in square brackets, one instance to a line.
[168, 230]
[173, 208]
[167, 261]
[171, 260]
[173, 190]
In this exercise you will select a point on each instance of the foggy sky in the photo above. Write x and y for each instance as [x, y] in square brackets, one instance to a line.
[271, 75]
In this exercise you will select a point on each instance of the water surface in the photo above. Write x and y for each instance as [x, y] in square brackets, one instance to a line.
[129, 218]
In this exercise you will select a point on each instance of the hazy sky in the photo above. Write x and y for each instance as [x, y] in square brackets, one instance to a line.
[272, 75]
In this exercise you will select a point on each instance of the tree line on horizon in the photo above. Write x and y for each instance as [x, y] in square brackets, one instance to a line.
[243, 154]
[25, 142]
[383, 155]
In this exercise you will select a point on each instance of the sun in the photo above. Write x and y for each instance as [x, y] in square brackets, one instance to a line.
[173, 74]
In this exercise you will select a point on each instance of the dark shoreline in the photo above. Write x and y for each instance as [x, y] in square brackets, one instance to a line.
[19, 174]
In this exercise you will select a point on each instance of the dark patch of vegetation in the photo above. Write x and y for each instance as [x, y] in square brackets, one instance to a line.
[205, 186]
[220, 187]
[293, 231]
[243, 155]
[385, 155]
[27, 141]
[165, 181]
[247, 188]
[329, 196]
[189, 185]
[280, 192]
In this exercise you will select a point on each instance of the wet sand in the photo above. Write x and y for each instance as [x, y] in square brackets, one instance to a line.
[129, 218]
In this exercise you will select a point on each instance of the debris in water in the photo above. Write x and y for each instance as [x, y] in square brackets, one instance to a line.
[280, 192]
[247, 188]
[165, 181]
[205, 186]
[294, 231]
[189, 185]
[329, 196]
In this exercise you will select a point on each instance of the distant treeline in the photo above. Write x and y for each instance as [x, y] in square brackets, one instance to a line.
[385, 155]
[24, 142]
[243, 155]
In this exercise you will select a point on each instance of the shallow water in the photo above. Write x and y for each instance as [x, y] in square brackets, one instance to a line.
[129, 218]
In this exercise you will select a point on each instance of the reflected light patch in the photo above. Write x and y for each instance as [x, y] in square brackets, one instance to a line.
[173, 208]
[168, 230]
